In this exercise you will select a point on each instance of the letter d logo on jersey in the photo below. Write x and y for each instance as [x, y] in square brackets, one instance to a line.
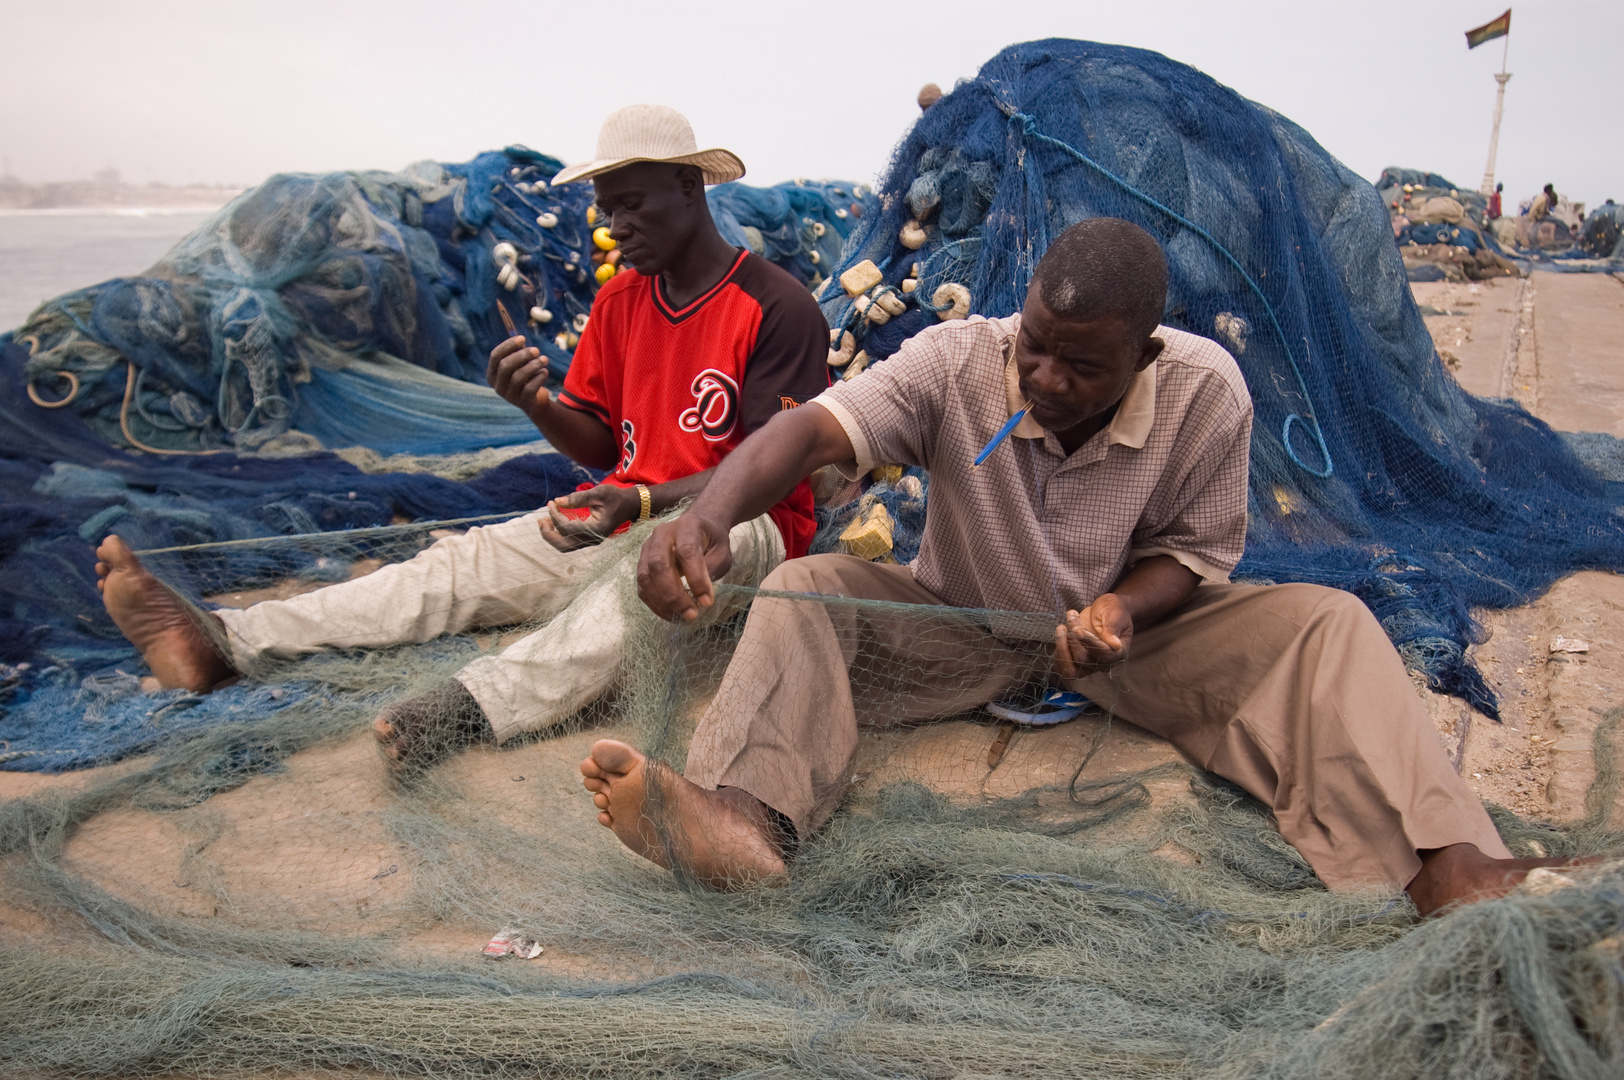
[715, 407]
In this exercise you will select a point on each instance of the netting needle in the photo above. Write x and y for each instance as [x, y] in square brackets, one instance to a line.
[507, 320]
[1003, 433]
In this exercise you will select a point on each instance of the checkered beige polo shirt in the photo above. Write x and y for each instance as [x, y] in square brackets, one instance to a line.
[1033, 529]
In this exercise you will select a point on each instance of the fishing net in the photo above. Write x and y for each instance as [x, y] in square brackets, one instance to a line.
[358, 308]
[1371, 470]
[256, 893]
[311, 358]
[259, 895]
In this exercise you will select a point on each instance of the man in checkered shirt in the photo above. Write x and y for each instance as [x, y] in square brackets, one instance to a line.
[1120, 500]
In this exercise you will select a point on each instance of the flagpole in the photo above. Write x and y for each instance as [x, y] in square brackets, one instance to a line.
[1499, 107]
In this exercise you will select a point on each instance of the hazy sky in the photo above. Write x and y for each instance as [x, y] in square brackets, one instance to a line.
[220, 91]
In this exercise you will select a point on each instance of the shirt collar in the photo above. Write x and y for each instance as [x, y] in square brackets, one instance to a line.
[1135, 415]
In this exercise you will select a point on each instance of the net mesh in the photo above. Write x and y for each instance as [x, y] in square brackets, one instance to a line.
[261, 894]
[1371, 469]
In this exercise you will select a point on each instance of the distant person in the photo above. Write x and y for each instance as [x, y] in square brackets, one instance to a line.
[1494, 202]
[1544, 203]
[680, 361]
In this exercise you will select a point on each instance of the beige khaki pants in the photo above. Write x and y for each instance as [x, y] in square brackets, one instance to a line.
[1291, 691]
[495, 575]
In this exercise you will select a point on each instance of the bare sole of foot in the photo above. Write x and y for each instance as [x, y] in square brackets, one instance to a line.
[422, 730]
[1461, 874]
[721, 838]
[180, 652]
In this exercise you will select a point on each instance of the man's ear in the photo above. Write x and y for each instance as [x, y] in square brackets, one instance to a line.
[691, 182]
[1149, 352]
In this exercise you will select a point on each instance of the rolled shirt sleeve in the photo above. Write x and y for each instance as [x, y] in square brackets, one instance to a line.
[893, 411]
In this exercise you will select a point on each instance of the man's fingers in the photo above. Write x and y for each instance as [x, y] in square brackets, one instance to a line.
[503, 350]
[518, 372]
[691, 563]
[658, 583]
[591, 524]
[1088, 638]
[559, 540]
[1065, 666]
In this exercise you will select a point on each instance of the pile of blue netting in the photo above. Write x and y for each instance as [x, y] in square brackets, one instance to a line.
[1372, 470]
[204, 400]
[358, 308]
[1603, 236]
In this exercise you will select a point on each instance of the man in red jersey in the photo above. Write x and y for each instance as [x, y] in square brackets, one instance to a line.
[681, 360]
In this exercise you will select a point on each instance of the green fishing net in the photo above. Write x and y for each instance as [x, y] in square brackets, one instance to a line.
[263, 896]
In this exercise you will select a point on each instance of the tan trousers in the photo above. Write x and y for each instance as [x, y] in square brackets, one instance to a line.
[495, 575]
[1291, 691]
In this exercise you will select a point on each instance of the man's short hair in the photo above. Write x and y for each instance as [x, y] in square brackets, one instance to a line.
[1105, 266]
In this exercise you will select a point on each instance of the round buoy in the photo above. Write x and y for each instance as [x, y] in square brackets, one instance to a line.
[547, 221]
[951, 300]
[601, 237]
[842, 347]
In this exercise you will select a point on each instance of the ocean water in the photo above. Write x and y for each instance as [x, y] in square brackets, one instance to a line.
[44, 253]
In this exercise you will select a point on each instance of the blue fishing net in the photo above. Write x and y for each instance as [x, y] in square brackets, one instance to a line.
[64, 489]
[1372, 470]
[1603, 236]
[360, 307]
[314, 312]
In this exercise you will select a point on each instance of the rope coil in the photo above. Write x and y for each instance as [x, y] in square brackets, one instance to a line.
[73, 391]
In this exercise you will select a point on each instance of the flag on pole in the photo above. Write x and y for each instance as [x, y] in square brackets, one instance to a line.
[1489, 31]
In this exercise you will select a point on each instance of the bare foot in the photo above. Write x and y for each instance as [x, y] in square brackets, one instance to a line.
[1461, 874]
[723, 838]
[180, 652]
[419, 731]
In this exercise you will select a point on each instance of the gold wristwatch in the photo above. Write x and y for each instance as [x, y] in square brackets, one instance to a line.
[647, 503]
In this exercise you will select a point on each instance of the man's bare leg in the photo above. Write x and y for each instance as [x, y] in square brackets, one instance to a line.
[724, 838]
[1461, 874]
[418, 731]
[180, 651]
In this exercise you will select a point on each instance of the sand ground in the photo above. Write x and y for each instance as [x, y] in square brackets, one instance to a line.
[311, 848]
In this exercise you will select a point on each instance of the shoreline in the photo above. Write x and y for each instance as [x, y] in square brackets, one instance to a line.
[111, 210]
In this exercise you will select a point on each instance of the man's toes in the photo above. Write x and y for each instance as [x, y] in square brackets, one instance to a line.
[614, 757]
[116, 553]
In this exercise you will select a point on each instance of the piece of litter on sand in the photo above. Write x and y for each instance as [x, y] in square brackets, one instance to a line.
[511, 942]
[1569, 644]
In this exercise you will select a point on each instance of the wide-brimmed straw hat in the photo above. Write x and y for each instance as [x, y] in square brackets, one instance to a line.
[652, 133]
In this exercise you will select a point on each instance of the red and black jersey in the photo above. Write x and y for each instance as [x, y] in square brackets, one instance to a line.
[682, 388]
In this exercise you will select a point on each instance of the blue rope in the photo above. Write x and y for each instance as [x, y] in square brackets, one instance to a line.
[1029, 127]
